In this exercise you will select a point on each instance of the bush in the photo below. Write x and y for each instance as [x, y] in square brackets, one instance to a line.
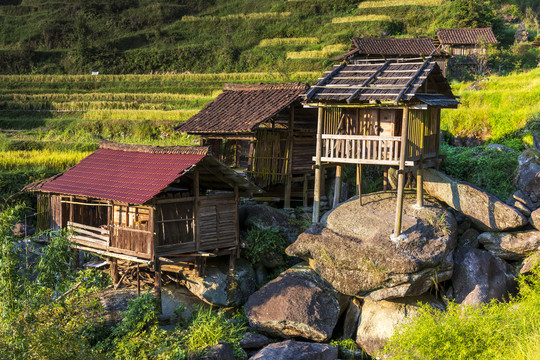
[261, 242]
[493, 170]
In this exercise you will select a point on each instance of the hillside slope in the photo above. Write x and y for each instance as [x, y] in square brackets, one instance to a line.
[141, 36]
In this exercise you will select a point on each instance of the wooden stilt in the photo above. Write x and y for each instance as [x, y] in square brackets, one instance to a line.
[114, 270]
[385, 178]
[196, 209]
[359, 182]
[232, 261]
[318, 170]
[157, 282]
[401, 175]
[288, 185]
[305, 192]
[420, 186]
[337, 187]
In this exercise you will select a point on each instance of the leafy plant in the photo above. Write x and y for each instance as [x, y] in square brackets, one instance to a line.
[262, 242]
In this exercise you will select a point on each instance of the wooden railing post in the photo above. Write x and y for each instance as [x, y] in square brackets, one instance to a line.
[318, 172]
[401, 174]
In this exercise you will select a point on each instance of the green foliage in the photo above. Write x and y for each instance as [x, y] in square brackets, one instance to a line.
[54, 265]
[493, 170]
[262, 242]
[489, 331]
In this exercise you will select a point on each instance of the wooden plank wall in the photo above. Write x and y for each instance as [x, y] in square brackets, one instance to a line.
[130, 230]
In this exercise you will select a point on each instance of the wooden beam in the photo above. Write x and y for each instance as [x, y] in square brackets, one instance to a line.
[318, 170]
[401, 175]
[312, 91]
[406, 87]
[157, 283]
[359, 182]
[113, 270]
[196, 210]
[337, 187]
[288, 185]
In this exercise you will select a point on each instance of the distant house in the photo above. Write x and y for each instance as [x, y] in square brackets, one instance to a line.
[465, 41]
[146, 204]
[536, 42]
[264, 130]
[379, 113]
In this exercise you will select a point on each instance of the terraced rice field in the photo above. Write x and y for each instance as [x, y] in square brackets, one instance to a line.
[50, 122]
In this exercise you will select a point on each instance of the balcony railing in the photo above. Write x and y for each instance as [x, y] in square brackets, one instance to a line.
[359, 149]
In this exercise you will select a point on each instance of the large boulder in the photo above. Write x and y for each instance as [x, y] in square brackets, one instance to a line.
[267, 218]
[511, 246]
[221, 351]
[535, 219]
[484, 209]
[379, 319]
[358, 255]
[480, 277]
[528, 174]
[296, 350]
[221, 287]
[296, 303]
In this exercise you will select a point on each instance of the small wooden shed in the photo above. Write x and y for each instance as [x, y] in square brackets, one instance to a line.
[464, 41]
[146, 204]
[264, 130]
[382, 113]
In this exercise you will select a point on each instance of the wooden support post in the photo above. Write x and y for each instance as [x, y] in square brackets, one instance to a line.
[318, 170]
[359, 182]
[420, 186]
[232, 261]
[113, 264]
[337, 187]
[385, 178]
[401, 175]
[138, 280]
[290, 138]
[157, 282]
[196, 210]
[236, 219]
[305, 192]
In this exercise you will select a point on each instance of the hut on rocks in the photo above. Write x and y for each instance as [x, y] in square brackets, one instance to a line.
[149, 205]
[382, 113]
[264, 130]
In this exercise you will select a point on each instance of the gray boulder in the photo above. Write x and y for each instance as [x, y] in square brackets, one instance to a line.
[380, 319]
[221, 351]
[296, 350]
[22, 230]
[469, 239]
[351, 318]
[530, 262]
[296, 303]
[484, 209]
[525, 200]
[511, 246]
[220, 287]
[254, 341]
[522, 208]
[500, 147]
[480, 277]
[358, 256]
[528, 173]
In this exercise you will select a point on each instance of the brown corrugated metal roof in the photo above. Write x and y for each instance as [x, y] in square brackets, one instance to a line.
[405, 47]
[466, 36]
[127, 173]
[242, 108]
[389, 81]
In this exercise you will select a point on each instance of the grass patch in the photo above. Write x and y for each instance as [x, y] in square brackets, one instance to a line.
[46, 159]
[250, 16]
[317, 54]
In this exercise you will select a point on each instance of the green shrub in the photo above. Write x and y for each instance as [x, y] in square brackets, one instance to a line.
[493, 170]
[261, 242]
[495, 331]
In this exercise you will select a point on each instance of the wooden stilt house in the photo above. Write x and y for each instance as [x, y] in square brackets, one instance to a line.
[264, 130]
[147, 204]
[465, 41]
[383, 113]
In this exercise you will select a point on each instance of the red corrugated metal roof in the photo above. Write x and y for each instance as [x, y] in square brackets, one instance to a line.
[129, 176]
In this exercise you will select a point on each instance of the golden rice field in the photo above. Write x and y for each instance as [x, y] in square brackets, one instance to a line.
[326, 52]
[393, 3]
[250, 16]
[113, 114]
[290, 41]
[50, 160]
[361, 18]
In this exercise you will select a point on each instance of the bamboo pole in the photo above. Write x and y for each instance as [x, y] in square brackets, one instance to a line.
[359, 182]
[318, 152]
[337, 187]
[401, 175]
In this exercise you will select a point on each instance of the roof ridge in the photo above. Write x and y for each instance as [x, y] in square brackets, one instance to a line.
[265, 86]
[176, 150]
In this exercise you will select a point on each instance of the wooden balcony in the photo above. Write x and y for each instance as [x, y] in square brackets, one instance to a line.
[360, 149]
